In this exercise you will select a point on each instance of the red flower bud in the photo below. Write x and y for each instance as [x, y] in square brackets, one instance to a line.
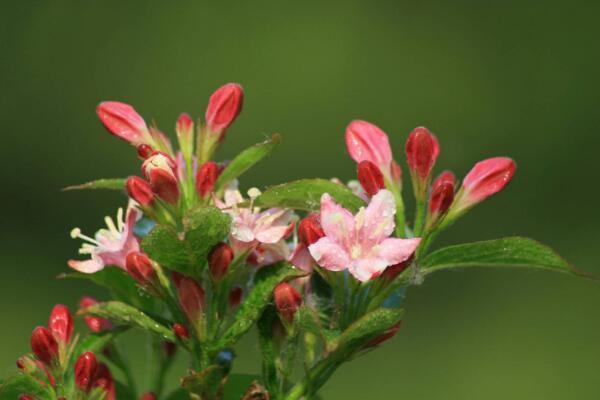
[206, 177]
[165, 185]
[223, 107]
[140, 190]
[104, 380]
[181, 332]
[487, 178]
[44, 345]
[191, 298]
[441, 199]
[123, 121]
[370, 177]
[390, 333]
[219, 259]
[184, 125]
[366, 141]
[85, 371]
[61, 323]
[422, 150]
[310, 230]
[287, 301]
[235, 297]
[145, 151]
[25, 397]
[446, 176]
[95, 324]
[392, 272]
[148, 396]
[140, 268]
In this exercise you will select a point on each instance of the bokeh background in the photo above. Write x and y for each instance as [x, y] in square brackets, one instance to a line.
[516, 78]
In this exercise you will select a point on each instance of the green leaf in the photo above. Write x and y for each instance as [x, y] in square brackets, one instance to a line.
[246, 160]
[367, 328]
[96, 342]
[306, 195]
[19, 384]
[163, 245]
[112, 184]
[253, 305]
[127, 315]
[506, 252]
[237, 385]
[308, 319]
[120, 285]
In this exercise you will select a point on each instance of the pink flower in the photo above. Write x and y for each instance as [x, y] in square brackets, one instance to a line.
[109, 246]
[361, 242]
[366, 142]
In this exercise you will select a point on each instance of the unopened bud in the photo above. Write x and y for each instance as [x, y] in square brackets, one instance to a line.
[181, 332]
[422, 150]
[139, 190]
[95, 324]
[310, 230]
[104, 380]
[390, 333]
[145, 151]
[165, 185]
[140, 268]
[446, 176]
[85, 371]
[123, 121]
[26, 397]
[235, 297]
[206, 177]
[223, 107]
[392, 272]
[366, 141]
[44, 345]
[441, 200]
[287, 301]
[191, 298]
[219, 260]
[61, 323]
[370, 177]
[487, 177]
[184, 125]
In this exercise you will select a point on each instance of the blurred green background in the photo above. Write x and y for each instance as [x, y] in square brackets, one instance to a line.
[516, 78]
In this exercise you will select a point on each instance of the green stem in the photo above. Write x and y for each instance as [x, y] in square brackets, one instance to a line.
[400, 221]
[420, 217]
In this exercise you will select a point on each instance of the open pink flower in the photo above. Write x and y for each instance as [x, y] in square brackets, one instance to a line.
[109, 246]
[361, 242]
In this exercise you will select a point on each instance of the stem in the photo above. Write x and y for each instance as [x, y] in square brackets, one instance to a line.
[397, 192]
[316, 377]
[420, 217]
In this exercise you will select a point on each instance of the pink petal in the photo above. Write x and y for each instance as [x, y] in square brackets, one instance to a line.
[301, 258]
[378, 219]
[366, 141]
[394, 250]
[329, 255]
[367, 268]
[337, 222]
[86, 266]
[272, 234]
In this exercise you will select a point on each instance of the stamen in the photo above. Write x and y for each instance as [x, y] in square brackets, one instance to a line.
[76, 234]
[120, 220]
[111, 225]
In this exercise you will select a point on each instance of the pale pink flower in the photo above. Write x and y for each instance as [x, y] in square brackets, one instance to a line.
[109, 246]
[361, 242]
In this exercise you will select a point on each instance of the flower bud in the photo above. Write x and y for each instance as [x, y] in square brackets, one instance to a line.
[85, 371]
[206, 177]
[61, 323]
[148, 396]
[219, 260]
[485, 179]
[165, 185]
[181, 332]
[124, 122]
[287, 301]
[140, 268]
[441, 200]
[191, 298]
[26, 364]
[44, 345]
[370, 177]
[235, 297]
[223, 107]
[446, 176]
[145, 151]
[392, 272]
[104, 380]
[140, 191]
[95, 324]
[366, 141]
[26, 397]
[422, 150]
[185, 134]
[310, 230]
[390, 333]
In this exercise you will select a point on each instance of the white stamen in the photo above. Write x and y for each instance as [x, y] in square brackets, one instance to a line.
[253, 193]
[111, 225]
[120, 220]
[76, 234]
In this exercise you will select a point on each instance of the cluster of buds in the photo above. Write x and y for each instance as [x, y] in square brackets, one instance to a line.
[52, 344]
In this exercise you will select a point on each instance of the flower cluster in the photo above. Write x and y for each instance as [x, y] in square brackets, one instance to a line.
[319, 266]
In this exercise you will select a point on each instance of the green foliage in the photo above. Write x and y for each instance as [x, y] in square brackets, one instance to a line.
[19, 384]
[305, 194]
[257, 299]
[246, 160]
[96, 342]
[206, 384]
[122, 313]
[506, 252]
[110, 183]
[238, 384]
[204, 228]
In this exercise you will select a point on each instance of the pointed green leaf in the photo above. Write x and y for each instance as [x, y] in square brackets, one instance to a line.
[506, 252]
[259, 296]
[111, 184]
[306, 195]
[19, 384]
[246, 160]
[124, 314]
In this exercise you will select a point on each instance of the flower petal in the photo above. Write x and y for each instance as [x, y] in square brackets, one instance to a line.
[394, 250]
[301, 258]
[86, 266]
[378, 221]
[337, 222]
[329, 255]
[367, 268]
